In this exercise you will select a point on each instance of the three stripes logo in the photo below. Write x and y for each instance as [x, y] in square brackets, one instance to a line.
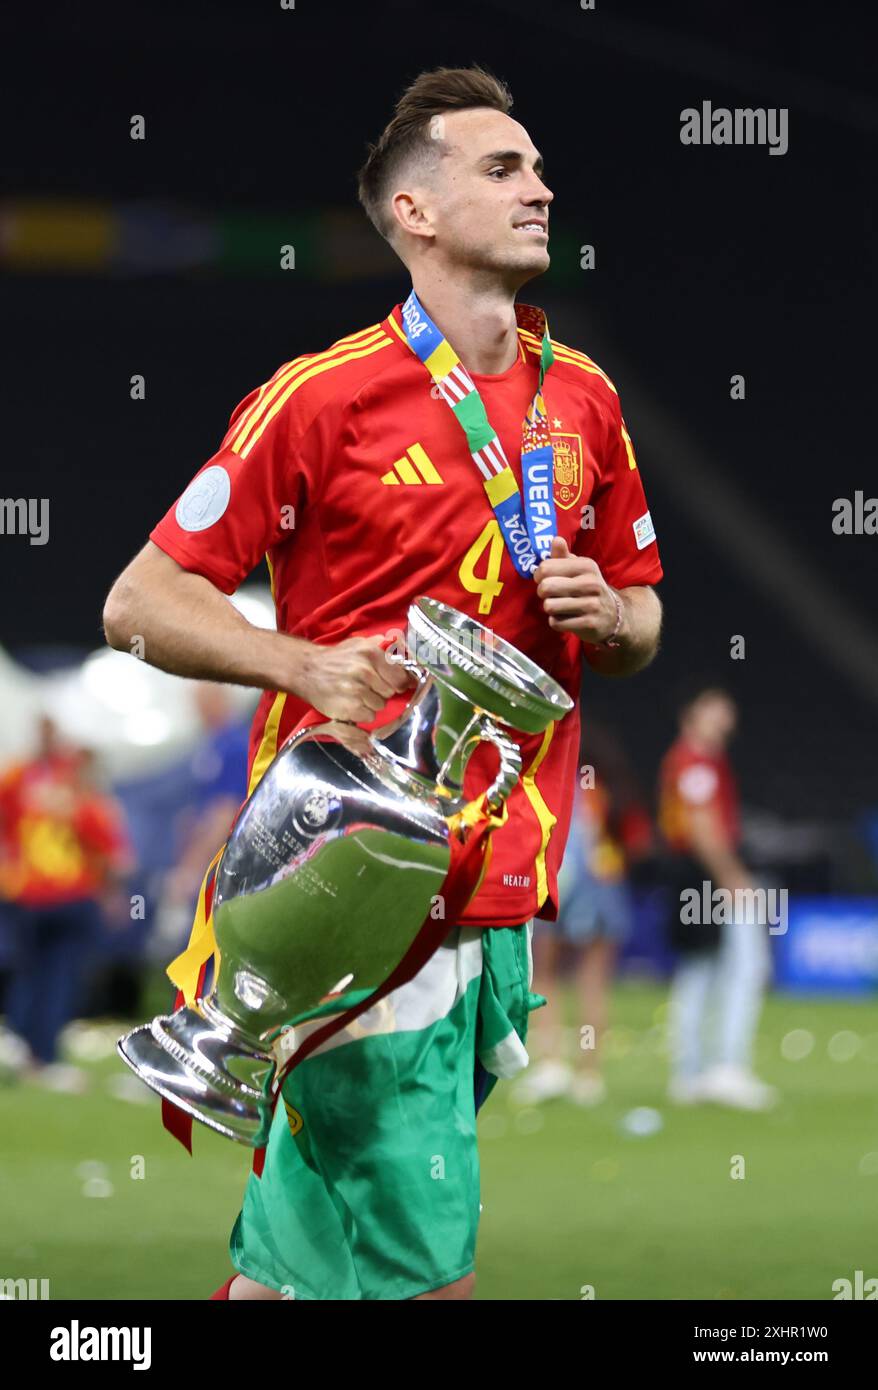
[414, 468]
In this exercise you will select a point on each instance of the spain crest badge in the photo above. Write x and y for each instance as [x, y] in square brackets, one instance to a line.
[567, 449]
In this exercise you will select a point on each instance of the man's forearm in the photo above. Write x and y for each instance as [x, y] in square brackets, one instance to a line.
[638, 635]
[181, 623]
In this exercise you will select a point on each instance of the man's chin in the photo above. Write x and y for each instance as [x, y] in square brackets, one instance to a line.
[515, 268]
[534, 264]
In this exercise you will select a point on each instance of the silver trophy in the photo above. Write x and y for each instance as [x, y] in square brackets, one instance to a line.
[334, 863]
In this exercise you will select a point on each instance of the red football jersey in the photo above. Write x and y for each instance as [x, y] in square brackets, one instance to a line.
[689, 778]
[57, 839]
[354, 478]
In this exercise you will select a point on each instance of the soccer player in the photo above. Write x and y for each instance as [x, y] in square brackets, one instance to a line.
[63, 850]
[722, 966]
[368, 474]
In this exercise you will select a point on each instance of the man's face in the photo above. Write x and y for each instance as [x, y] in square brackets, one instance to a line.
[487, 189]
[713, 718]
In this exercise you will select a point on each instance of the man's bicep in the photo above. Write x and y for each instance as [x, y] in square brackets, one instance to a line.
[151, 568]
[152, 559]
[146, 580]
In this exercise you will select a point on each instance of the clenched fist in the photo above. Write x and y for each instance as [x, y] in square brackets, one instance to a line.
[352, 680]
[576, 597]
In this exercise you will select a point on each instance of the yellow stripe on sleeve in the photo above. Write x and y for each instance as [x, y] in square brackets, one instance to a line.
[314, 367]
[291, 372]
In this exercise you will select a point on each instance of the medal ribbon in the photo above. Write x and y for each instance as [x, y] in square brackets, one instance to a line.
[527, 526]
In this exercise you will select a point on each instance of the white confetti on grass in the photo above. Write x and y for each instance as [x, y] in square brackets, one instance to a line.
[528, 1120]
[98, 1187]
[797, 1044]
[642, 1121]
[89, 1042]
[843, 1046]
[493, 1126]
[91, 1168]
[93, 1174]
[130, 1088]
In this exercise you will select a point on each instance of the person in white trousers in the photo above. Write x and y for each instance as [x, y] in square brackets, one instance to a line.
[724, 959]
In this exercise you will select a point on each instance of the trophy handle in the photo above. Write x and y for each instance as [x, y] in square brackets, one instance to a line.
[417, 671]
[510, 763]
[414, 746]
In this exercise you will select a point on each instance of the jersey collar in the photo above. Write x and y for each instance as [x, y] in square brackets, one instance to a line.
[529, 318]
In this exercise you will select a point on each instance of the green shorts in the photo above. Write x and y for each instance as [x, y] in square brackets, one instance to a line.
[370, 1188]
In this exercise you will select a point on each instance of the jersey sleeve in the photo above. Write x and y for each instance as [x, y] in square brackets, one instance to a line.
[621, 538]
[246, 498]
[697, 784]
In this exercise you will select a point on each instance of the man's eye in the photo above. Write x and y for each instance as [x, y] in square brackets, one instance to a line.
[499, 170]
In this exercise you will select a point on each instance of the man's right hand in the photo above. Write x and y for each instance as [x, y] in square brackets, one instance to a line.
[184, 624]
[352, 680]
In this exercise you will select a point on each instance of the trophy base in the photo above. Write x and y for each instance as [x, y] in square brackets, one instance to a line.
[199, 1062]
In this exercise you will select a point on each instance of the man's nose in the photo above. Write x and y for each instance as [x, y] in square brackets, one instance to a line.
[541, 193]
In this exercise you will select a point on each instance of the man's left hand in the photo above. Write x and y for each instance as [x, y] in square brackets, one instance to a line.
[575, 596]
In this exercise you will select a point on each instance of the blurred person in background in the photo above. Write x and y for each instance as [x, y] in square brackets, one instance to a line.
[610, 828]
[723, 967]
[63, 854]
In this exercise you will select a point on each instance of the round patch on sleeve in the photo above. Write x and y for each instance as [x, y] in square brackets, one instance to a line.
[698, 783]
[204, 500]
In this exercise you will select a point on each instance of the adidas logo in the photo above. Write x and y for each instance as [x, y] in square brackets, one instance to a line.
[414, 467]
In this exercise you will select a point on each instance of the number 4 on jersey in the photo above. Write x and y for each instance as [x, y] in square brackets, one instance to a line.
[488, 588]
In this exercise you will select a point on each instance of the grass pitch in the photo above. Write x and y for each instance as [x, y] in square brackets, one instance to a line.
[633, 1198]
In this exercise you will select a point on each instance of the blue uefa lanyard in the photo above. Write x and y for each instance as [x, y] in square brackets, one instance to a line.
[527, 525]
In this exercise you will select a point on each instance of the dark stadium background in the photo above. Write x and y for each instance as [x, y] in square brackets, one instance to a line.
[710, 261]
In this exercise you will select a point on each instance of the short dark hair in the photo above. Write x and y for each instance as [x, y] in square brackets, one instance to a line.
[404, 139]
[699, 691]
